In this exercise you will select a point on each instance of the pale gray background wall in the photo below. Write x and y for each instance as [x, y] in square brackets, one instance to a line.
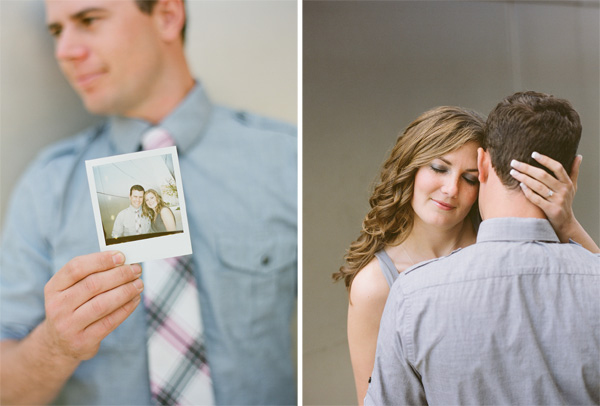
[372, 67]
[244, 52]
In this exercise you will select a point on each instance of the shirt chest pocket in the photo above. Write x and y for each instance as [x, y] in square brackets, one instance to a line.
[256, 284]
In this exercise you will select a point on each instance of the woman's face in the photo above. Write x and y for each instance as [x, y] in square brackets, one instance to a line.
[446, 188]
[151, 201]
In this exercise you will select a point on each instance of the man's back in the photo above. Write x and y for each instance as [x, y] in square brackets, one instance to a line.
[513, 319]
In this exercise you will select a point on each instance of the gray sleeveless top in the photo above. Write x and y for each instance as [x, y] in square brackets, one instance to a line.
[387, 267]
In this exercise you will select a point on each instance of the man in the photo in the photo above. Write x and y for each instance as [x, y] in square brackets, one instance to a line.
[512, 319]
[131, 221]
[74, 328]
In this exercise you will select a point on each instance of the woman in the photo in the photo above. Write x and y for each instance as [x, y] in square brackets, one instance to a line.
[424, 206]
[161, 217]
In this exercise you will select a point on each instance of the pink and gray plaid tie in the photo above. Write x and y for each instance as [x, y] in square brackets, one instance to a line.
[179, 373]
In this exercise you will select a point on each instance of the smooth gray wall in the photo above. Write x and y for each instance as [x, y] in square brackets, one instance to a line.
[369, 69]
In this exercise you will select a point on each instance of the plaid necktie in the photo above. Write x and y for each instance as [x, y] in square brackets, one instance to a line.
[138, 221]
[179, 373]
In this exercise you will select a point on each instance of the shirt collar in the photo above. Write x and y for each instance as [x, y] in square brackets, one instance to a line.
[186, 124]
[516, 229]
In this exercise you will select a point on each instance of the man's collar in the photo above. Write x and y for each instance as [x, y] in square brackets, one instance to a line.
[186, 124]
[516, 229]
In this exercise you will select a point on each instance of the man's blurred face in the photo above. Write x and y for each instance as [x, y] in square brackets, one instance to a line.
[109, 51]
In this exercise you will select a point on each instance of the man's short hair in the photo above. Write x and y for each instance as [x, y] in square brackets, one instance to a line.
[147, 6]
[136, 187]
[530, 121]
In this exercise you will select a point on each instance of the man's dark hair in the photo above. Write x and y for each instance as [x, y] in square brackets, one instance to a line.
[136, 187]
[147, 6]
[530, 121]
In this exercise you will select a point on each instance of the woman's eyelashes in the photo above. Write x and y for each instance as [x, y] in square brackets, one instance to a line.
[470, 179]
[438, 169]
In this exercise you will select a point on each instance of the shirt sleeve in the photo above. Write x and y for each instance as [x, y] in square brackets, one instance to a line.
[25, 257]
[395, 381]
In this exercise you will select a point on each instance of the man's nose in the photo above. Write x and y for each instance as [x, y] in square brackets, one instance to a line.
[69, 46]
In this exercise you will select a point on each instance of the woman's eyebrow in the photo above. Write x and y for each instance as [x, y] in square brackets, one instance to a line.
[450, 164]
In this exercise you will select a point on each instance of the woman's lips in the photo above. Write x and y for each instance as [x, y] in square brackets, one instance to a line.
[442, 205]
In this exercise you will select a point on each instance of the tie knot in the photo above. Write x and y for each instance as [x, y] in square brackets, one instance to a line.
[156, 137]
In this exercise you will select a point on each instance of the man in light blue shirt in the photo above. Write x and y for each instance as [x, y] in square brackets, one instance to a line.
[514, 318]
[130, 221]
[72, 329]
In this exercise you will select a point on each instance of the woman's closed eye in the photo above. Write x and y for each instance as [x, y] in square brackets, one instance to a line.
[438, 169]
[471, 180]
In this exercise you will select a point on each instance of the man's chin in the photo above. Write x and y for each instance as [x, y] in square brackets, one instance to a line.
[95, 106]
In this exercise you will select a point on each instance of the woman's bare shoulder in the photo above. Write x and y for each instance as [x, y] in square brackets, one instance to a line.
[369, 287]
[165, 211]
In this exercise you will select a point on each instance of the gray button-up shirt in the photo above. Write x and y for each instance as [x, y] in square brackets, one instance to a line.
[513, 319]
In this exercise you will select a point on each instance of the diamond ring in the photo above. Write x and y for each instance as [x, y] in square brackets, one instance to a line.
[550, 193]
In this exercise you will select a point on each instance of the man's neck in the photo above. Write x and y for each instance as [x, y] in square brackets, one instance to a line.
[168, 89]
[495, 200]
[166, 97]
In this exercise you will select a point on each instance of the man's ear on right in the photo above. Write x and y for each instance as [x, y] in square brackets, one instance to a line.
[483, 162]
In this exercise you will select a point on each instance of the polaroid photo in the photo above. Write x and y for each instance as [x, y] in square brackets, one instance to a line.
[139, 206]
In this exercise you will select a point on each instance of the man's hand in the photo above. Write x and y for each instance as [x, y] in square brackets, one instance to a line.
[87, 299]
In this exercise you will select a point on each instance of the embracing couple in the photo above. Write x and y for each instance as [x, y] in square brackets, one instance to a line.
[147, 213]
[448, 309]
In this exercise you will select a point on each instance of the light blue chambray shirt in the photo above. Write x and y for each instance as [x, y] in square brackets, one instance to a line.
[239, 174]
[511, 320]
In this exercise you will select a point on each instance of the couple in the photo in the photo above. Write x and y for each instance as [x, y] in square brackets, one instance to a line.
[448, 309]
[147, 213]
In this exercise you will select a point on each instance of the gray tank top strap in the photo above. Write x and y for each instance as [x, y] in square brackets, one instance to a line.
[387, 267]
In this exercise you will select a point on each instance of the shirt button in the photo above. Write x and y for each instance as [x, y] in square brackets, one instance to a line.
[265, 260]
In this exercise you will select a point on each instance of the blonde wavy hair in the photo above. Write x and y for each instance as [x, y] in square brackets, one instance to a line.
[434, 133]
[147, 211]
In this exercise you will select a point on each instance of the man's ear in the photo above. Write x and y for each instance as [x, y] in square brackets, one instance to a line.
[483, 164]
[170, 18]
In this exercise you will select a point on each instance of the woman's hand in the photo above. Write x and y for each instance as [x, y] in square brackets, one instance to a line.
[554, 196]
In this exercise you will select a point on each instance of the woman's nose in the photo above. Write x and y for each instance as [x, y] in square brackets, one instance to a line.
[450, 186]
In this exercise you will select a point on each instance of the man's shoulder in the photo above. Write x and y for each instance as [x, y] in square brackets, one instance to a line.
[254, 124]
[68, 147]
[433, 272]
[435, 262]
[124, 211]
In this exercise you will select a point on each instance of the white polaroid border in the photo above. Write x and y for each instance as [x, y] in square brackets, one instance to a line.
[150, 248]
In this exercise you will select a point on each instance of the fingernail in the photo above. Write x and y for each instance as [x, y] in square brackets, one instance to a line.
[514, 163]
[513, 172]
[118, 258]
[136, 269]
[523, 186]
[535, 155]
[139, 285]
